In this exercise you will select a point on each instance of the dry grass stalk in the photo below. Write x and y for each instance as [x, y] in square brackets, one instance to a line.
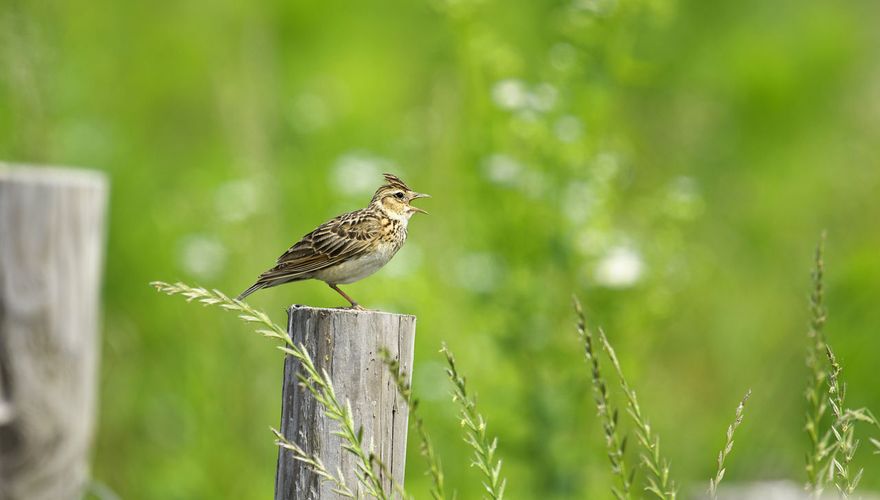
[728, 446]
[614, 442]
[475, 432]
[843, 429]
[317, 383]
[832, 446]
[316, 464]
[817, 464]
[426, 448]
[659, 482]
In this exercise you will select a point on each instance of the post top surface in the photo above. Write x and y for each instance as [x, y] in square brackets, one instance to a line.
[51, 175]
[343, 311]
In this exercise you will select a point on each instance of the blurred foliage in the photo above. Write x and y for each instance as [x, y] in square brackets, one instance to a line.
[670, 161]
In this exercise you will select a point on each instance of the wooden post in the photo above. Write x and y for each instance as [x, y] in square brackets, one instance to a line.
[346, 344]
[51, 251]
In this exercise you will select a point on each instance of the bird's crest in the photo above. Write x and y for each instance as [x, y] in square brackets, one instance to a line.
[396, 182]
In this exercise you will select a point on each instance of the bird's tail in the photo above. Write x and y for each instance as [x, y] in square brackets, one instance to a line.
[256, 286]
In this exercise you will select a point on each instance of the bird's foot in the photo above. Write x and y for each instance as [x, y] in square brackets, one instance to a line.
[353, 307]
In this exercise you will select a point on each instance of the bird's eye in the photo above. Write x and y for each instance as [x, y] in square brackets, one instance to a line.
[398, 195]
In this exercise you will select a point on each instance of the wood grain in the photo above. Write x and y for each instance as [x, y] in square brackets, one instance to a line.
[346, 344]
[51, 253]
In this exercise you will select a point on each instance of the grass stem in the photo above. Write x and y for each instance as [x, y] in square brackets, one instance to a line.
[426, 448]
[614, 442]
[317, 383]
[659, 482]
[475, 432]
[728, 446]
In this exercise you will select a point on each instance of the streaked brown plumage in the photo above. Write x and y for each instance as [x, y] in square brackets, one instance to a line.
[351, 246]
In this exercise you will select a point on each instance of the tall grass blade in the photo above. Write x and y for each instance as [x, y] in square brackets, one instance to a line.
[475, 432]
[728, 446]
[426, 448]
[615, 443]
[659, 481]
[317, 383]
[817, 462]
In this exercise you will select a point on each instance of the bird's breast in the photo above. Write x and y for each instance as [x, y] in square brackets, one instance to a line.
[360, 267]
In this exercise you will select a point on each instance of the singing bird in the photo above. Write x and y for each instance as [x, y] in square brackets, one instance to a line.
[351, 246]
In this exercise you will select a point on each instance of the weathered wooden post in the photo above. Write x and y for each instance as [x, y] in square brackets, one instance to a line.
[51, 251]
[346, 344]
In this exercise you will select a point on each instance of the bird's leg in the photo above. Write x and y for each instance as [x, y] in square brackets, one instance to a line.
[354, 305]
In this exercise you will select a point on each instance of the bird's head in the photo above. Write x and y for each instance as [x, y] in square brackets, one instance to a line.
[394, 198]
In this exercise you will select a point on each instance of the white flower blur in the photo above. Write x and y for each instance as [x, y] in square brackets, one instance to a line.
[502, 169]
[510, 94]
[359, 173]
[202, 256]
[621, 267]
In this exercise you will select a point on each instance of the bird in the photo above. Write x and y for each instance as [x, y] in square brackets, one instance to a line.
[349, 247]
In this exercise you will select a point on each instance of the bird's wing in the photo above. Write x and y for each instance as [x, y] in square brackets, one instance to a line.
[335, 241]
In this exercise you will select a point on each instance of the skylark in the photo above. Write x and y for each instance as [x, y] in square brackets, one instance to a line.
[350, 247]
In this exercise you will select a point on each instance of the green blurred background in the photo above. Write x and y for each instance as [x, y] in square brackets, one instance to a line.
[670, 161]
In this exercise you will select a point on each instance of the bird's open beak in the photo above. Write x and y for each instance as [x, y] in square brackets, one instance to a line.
[416, 196]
